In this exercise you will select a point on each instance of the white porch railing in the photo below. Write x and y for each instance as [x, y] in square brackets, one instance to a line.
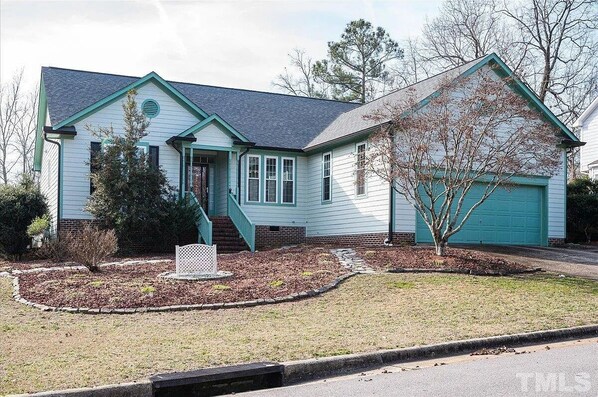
[242, 222]
[204, 224]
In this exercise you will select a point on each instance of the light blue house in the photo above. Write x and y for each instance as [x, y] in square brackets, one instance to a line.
[275, 169]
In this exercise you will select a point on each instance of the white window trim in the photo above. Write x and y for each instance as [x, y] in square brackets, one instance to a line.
[266, 158]
[294, 180]
[329, 176]
[365, 183]
[259, 184]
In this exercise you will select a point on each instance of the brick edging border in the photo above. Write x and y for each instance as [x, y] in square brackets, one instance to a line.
[173, 308]
[311, 369]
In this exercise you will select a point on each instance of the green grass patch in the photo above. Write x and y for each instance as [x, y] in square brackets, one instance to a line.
[221, 287]
[401, 284]
[276, 283]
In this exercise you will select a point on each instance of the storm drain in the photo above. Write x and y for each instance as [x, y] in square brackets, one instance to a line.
[218, 381]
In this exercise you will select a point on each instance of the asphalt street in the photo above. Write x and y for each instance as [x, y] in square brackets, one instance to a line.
[560, 369]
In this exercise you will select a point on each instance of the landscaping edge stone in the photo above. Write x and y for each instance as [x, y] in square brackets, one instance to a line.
[312, 369]
[467, 272]
[172, 308]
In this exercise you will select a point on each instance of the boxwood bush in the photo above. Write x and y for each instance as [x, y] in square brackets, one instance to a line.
[19, 206]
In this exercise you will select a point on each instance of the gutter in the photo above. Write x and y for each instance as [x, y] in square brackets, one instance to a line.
[58, 187]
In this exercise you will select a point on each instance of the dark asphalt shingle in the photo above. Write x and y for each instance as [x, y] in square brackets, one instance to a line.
[268, 119]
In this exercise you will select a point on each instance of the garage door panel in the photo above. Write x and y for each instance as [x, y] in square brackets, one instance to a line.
[512, 216]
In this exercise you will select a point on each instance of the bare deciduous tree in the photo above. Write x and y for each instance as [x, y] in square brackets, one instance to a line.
[477, 130]
[411, 68]
[300, 81]
[25, 131]
[10, 96]
[18, 119]
[560, 41]
[465, 30]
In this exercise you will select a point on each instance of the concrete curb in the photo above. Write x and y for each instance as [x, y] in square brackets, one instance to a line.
[142, 388]
[306, 370]
[175, 308]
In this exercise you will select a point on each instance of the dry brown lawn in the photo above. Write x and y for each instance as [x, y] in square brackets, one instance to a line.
[42, 351]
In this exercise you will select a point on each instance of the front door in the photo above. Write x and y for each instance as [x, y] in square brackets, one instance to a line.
[200, 183]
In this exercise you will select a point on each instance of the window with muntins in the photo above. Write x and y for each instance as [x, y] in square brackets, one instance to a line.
[271, 179]
[326, 177]
[360, 173]
[253, 178]
[288, 181]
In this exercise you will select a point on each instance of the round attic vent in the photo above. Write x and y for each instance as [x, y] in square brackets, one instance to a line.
[150, 108]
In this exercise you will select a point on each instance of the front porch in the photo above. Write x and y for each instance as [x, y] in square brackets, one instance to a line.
[208, 177]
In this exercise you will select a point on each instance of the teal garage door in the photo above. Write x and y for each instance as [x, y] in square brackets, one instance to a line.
[507, 217]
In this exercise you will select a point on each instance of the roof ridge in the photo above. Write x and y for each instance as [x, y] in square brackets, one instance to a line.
[204, 85]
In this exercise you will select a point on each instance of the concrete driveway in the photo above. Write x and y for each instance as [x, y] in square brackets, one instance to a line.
[582, 262]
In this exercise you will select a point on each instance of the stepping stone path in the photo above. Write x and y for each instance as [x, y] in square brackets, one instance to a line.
[349, 259]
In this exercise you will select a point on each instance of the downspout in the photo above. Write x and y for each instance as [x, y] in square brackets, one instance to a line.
[391, 200]
[57, 185]
[239, 175]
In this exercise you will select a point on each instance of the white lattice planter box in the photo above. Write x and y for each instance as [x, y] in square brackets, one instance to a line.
[196, 262]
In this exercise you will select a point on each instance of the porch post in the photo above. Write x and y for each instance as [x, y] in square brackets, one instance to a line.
[191, 170]
[228, 188]
[184, 172]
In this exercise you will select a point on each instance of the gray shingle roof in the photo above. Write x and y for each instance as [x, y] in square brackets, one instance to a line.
[268, 119]
[353, 121]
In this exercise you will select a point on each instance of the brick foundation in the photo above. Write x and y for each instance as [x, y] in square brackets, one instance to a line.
[369, 239]
[278, 236]
[73, 225]
[554, 241]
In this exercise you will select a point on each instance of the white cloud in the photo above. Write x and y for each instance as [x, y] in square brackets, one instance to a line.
[231, 43]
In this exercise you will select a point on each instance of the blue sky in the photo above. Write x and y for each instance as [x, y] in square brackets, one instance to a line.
[230, 43]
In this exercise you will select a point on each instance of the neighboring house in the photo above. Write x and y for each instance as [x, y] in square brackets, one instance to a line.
[283, 168]
[588, 154]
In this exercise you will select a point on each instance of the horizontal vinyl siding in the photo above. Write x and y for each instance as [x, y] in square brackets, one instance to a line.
[48, 179]
[345, 214]
[277, 214]
[405, 215]
[589, 134]
[213, 136]
[557, 186]
[172, 120]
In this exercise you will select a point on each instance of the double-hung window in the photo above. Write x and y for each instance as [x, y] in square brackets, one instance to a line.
[288, 181]
[253, 178]
[360, 171]
[271, 179]
[327, 176]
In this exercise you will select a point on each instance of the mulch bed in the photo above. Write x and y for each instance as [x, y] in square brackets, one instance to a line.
[26, 264]
[262, 275]
[424, 258]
